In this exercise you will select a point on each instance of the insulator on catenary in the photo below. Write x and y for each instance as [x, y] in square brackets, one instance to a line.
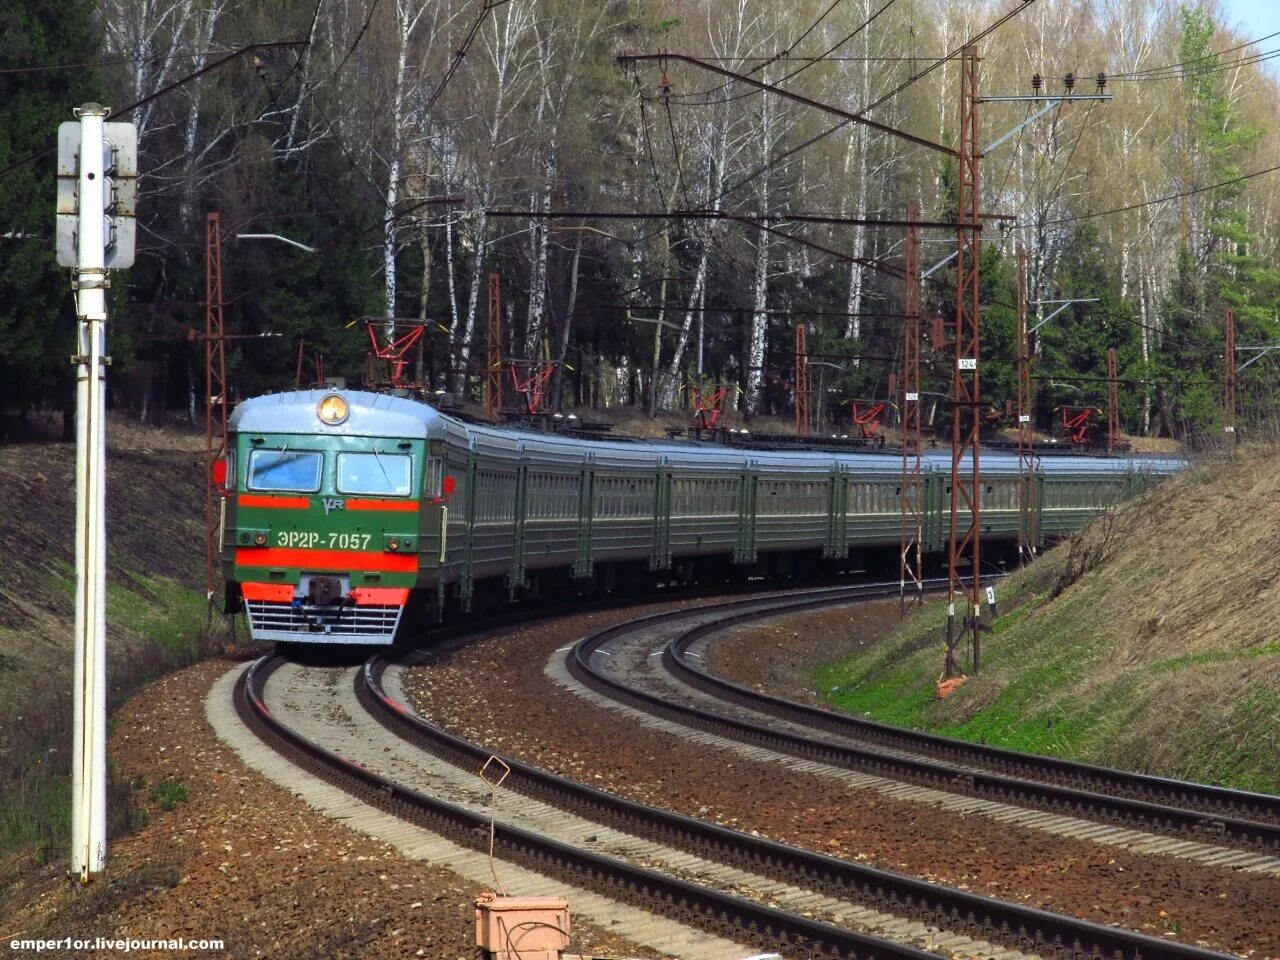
[1035, 82]
[1070, 81]
[1102, 81]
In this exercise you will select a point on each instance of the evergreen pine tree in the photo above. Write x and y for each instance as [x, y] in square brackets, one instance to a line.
[36, 312]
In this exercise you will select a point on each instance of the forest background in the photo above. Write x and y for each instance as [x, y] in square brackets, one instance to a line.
[354, 140]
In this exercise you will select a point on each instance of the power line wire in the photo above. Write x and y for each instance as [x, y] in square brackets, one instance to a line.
[765, 62]
[920, 74]
[1207, 71]
[809, 61]
[1207, 56]
[311, 29]
[163, 91]
[461, 52]
[779, 58]
[52, 67]
[1084, 125]
[356, 42]
[676, 158]
[653, 163]
[1165, 199]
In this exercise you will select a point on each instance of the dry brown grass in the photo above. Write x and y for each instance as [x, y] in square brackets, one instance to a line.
[1201, 549]
[1179, 593]
[125, 433]
[1154, 444]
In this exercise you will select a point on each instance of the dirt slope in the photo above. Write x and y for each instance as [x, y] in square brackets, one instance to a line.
[155, 600]
[155, 531]
[1151, 641]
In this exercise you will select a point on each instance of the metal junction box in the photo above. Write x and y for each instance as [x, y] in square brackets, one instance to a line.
[522, 928]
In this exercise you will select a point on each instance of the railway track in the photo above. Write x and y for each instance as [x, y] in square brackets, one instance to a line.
[605, 662]
[773, 923]
[1014, 926]
[962, 914]
[719, 912]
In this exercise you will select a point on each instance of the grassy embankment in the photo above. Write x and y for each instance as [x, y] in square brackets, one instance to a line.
[156, 611]
[1149, 641]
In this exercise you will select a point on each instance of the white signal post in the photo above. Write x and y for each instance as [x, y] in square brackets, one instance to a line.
[92, 233]
[89, 770]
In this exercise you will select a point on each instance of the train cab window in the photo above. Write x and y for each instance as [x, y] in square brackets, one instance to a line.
[297, 471]
[378, 474]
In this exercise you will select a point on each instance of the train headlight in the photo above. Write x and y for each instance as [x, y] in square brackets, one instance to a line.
[260, 539]
[393, 544]
[332, 410]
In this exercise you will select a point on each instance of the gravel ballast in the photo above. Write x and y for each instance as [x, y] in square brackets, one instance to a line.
[244, 861]
[495, 692]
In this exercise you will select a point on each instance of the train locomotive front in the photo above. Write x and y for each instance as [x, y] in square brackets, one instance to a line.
[335, 503]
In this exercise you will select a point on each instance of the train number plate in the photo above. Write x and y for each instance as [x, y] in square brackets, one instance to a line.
[311, 539]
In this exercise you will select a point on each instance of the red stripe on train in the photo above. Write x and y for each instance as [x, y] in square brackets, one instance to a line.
[368, 560]
[274, 592]
[380, 596]
[273, 503]
[395, 506]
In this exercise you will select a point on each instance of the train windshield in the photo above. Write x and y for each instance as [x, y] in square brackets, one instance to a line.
[297, 471]
[379, 474]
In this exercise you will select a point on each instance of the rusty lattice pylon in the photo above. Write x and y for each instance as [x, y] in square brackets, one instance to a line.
[493, 367]
[911, 492]
[802, 380]
[1028, 532]
[215, 402]
[1229, 376]
[966, 479]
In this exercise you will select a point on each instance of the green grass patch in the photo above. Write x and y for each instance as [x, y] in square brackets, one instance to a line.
[169, 792]
[1203, 657]
[154, 626]
[1060, 678]
[162, 612]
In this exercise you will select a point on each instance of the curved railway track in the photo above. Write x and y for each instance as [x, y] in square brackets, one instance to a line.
[1016, 926]
[721, 913]
[1191, 811]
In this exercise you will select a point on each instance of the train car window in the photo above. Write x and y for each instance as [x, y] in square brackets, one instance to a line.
[380, 474]
[572, 496]
[297, 471]
[554, 496]
[458, 499]
[496, 497]
[432, 477]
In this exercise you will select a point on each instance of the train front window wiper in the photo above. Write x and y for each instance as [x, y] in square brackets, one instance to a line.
[378, 458]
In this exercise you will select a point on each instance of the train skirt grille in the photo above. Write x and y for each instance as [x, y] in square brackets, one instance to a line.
[328, 624]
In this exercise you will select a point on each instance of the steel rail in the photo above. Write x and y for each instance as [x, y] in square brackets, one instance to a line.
[1065, 800]
[1251, 812]
[1014, 925]
[720, 913]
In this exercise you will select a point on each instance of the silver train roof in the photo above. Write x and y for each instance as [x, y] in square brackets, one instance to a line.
[382, 415]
